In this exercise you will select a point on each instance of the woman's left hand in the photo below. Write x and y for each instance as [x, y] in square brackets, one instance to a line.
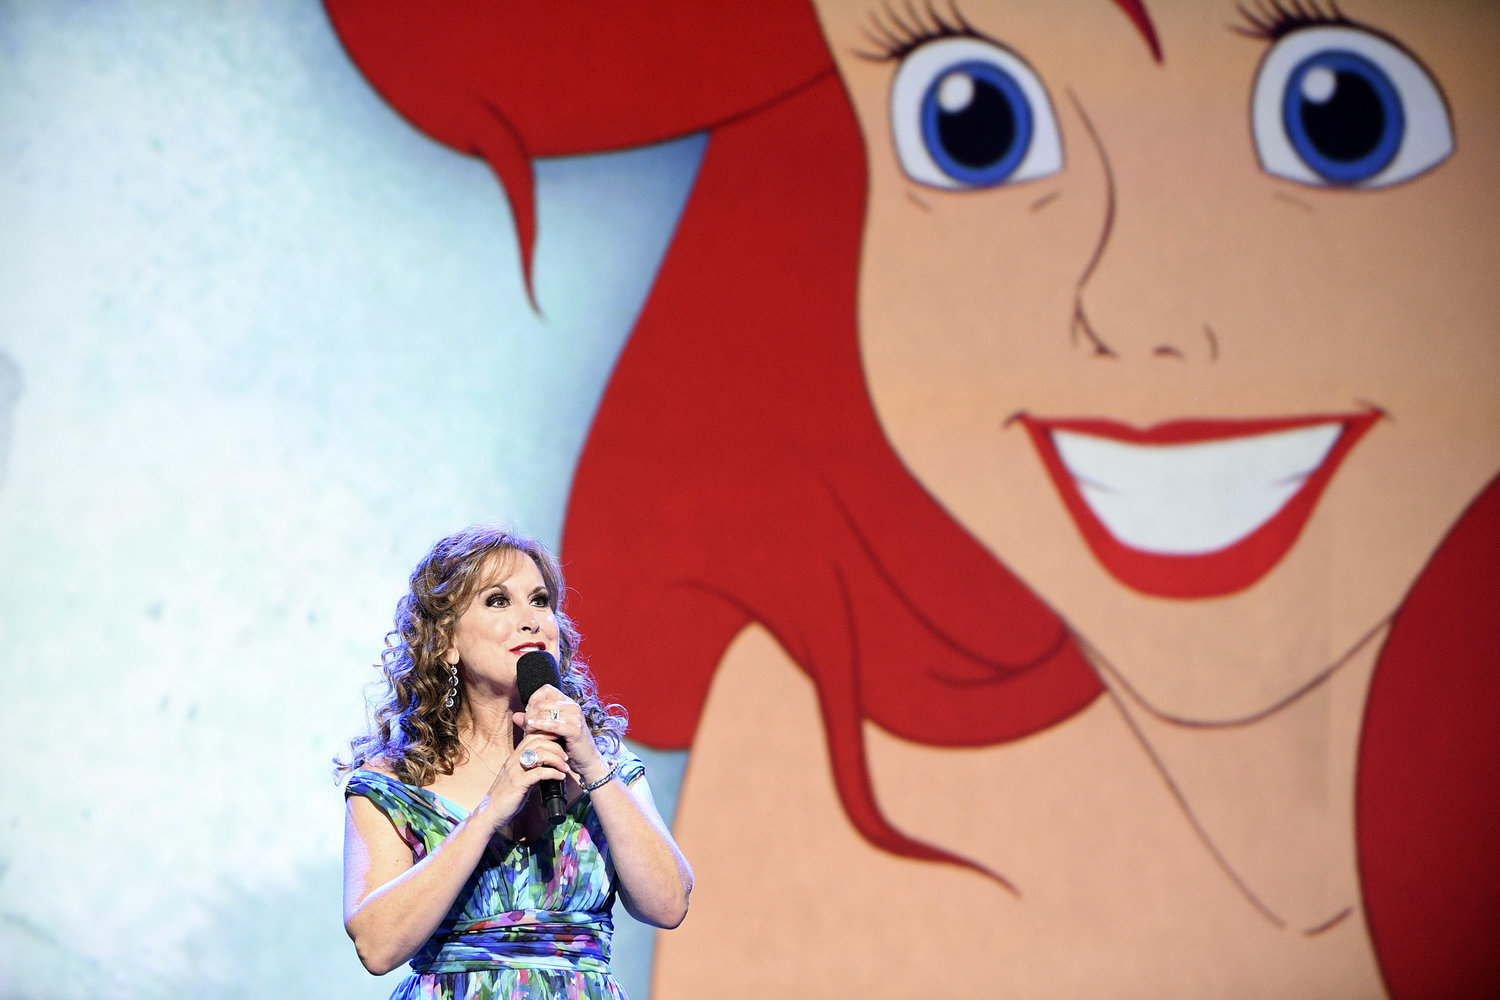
[654, 878]
[551, 712]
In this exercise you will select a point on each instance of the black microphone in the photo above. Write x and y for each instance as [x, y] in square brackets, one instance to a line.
[534, 670]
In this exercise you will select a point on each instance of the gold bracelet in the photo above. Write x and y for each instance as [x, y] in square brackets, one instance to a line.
[604, 780]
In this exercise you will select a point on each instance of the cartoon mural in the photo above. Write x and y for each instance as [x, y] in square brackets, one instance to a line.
[1049, 487]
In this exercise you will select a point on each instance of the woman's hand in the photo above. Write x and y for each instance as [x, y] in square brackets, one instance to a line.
[654, 878]
[515, 780]
[552, 715]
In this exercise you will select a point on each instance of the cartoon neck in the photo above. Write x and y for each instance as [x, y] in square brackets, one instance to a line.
[1272, 799]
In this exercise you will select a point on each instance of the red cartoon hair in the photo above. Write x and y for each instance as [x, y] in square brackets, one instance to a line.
[735, 472]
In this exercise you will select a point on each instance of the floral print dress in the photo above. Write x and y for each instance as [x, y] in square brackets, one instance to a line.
[533, 921]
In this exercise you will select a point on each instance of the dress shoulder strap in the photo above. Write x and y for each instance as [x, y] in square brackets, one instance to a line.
[415, 813]
[631, 766]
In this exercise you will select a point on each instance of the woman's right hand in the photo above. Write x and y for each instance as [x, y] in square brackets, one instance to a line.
[513, 782]
[393, 902]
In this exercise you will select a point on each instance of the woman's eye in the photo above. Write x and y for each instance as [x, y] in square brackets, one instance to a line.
[966, 113]
[1339, 106]
[497, 601]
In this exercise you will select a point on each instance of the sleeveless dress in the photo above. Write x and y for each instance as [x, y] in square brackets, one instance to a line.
[532, 922]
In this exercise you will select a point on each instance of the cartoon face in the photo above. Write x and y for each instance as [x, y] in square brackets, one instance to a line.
[1203, 347]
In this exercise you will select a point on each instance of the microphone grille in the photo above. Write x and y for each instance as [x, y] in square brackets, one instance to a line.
[534, 670]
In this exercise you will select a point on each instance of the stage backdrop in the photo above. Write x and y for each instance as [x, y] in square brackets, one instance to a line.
[1030, 463]
[260, 344]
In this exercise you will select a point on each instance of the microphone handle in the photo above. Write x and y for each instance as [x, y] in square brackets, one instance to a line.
[533, 671]
[553, 800]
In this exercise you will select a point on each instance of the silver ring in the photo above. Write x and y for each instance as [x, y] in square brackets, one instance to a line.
[556, 715]
[528, 758]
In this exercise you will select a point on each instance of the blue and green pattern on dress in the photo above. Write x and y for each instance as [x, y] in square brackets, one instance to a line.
[532, 922]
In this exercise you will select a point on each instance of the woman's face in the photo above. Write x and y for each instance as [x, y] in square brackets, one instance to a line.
[1202, 348]
[510, 615]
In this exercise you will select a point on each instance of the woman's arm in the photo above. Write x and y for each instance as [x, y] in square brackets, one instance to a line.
[392, 904]
[655, 878]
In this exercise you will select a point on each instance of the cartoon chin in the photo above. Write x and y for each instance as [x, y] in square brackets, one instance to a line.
[1193, 509]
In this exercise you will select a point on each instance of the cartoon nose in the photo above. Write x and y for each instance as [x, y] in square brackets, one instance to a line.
[1137, 300]
[1160, 268]
[1121, 335]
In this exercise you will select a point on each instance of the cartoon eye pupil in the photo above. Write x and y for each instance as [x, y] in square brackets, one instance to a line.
[976, 123]
[1343, 116]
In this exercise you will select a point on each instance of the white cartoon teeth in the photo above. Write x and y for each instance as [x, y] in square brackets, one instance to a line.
[1191, 499]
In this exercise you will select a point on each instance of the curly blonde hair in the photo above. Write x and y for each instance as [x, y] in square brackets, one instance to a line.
[414, 732]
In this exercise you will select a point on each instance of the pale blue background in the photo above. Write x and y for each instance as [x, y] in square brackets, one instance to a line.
[260, 344]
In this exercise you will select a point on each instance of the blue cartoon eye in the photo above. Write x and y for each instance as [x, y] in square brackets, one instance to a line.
[966, 113]
[1338, 106]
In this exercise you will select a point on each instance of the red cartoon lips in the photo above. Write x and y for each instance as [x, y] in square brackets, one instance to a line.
[1193, 508]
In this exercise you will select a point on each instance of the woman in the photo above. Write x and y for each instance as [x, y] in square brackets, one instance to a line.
[1164, 754]
[449, 861]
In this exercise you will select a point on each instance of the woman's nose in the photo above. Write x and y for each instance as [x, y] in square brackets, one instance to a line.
[530, 622]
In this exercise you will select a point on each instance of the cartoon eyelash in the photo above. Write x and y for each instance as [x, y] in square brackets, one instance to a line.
[895, 34]
[1274, 19]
